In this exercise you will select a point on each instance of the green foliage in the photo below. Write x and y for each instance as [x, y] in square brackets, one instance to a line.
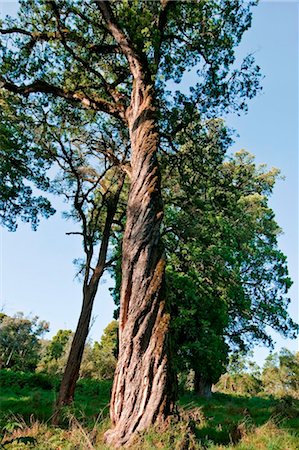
[19, 341]
[239, 384]
[227, 279]
[26, 380]
[57, 345]
[280, 375]
[21, 167]
[279, 378]
[73, 51]
[54, 354]
[99, 360]
[102, 357]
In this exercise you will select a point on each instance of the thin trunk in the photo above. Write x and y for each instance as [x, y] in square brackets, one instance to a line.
[202, 386]
[72, 370]
[143, 389]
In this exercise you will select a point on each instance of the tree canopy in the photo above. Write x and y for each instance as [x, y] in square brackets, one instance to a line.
[19, 341]
[23, 170]
[115, 59]
[228, 280]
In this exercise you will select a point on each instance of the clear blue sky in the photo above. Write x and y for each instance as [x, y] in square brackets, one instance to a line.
[37, 274]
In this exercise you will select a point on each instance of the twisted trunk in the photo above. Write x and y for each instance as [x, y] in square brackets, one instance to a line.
[143, 388]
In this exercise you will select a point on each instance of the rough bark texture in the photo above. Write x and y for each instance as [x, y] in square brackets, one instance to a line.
[72, 370]
[143, 390]
[202, 386]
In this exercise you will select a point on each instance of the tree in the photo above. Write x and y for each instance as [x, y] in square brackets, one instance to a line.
[228, 279]
[108, 57]
[104, 353]
[242, 376]
[19, 341]
[91, 179]
[280, 375]
[54, 356]
[21, 167]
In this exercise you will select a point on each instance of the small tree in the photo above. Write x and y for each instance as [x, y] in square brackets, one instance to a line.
[92, 173]
[280, 375]
[104, 353]
[53, 359]
[19, 341]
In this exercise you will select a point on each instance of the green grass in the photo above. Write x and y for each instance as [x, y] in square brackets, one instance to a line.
[91, 399]
[222, 422]
[226, 419]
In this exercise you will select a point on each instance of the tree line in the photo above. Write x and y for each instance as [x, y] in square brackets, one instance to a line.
[23, 348]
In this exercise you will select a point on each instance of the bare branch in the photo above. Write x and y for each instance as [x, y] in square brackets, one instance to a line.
[73, 232]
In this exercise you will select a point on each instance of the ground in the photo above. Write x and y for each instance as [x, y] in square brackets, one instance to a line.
[223, 422]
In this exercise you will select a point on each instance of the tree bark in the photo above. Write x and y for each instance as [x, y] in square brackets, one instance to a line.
[72, 370]
[202, 386]
[143, 389]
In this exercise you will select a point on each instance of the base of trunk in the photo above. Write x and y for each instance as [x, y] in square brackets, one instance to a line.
[143, 394]
[202, 387]
[121, 436]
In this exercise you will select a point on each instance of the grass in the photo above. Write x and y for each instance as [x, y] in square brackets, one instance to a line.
[229, 419]
[223, 422]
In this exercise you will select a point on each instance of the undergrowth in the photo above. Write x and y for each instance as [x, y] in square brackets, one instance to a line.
[222, 422]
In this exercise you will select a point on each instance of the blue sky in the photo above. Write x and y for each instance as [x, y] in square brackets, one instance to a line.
[36, 270]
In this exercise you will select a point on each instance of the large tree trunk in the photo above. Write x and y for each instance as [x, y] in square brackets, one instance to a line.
[202, 386]
[142, 392]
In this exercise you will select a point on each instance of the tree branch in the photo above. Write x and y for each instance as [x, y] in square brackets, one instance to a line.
[162, 20]
[112, 92]
[73, 232]
[123, 41]
[97, 104]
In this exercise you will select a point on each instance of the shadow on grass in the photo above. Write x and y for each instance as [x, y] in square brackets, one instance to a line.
[22, 398]
[226, 418]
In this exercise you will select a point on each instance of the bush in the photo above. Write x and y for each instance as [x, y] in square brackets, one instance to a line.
[9, 378]
[90, 387]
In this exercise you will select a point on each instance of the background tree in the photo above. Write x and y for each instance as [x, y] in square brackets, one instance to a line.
[90, 178]
[104, 353]
[242, 377]
[227, 277]
[108, 57]
[280, 375]
[22, 168]
[90, 168]
[19, 341]
[54, 353]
